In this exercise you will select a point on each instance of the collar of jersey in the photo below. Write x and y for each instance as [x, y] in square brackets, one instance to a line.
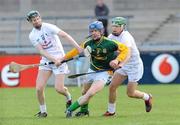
[98, 42]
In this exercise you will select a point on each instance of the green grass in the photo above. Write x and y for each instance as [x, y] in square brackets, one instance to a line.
[17, 107]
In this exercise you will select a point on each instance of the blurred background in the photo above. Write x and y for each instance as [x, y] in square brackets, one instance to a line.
[155, 25]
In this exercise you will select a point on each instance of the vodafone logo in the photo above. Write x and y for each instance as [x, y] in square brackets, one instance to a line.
[165, 68]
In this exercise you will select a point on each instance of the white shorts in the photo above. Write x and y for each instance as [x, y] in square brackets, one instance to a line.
[134, 71]
[104, 76]
[62, 69]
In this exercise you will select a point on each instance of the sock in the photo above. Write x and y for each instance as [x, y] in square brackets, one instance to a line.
[68, 96]
[145, 97]
[84, 108]
[74, 106]
[43, 108]
[111, 107]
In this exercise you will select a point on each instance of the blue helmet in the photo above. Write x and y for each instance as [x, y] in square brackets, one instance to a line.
[32, 14]
[96, 25]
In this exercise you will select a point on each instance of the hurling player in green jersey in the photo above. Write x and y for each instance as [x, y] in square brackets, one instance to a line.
[103, 54]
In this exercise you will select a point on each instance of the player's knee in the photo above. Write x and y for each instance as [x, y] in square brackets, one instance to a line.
[39, 88]
[112, 87]
[84, 92]
[60, 90]
[90, 94]
[130, 94]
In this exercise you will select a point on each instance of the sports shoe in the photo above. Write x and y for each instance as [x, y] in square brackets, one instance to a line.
[107, 114]
[68, 103]
[41, 115]
[80, 113]
[148, 103]
[68, 114]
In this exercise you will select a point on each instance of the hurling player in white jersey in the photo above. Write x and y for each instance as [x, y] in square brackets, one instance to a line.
[132, 70]
[45, 38]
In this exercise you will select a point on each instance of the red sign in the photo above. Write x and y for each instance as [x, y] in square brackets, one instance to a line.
[26, 78]
[165, 68]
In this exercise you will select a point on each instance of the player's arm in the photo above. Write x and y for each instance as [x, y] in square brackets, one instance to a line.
[55, 30]
[122, 63]
[70, 39]
[40, 49]
[44, 53]
[124, 54]
[122, 57]
[72, 53]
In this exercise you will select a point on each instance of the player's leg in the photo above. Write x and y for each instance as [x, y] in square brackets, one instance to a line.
[42, 77]
[59, 73]
[95, 87]
[134, 93]
[134, 75]
[115, 82]
[99, 80]
[84, 108]
[61, 89]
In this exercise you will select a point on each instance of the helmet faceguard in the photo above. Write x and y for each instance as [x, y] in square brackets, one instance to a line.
[32, 14]
[118, 21]
[96, 25]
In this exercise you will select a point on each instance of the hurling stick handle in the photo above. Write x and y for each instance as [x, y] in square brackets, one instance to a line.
[67, 60]
[48, 63]
[61, 62]
[81, 74]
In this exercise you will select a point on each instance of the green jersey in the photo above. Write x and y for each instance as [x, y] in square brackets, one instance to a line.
[102, 52]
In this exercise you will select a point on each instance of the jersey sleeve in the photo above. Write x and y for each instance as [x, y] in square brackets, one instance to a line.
[53, 28]
[73, 52]
[123, 51]
[126, 39]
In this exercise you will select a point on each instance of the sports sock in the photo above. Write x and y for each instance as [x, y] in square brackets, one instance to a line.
[74, 106]
[43, 108]
[111, 107]
[84, 108]
[146, 96]
[68, 96]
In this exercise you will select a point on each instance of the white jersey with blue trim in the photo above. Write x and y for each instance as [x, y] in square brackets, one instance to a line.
[47, 37]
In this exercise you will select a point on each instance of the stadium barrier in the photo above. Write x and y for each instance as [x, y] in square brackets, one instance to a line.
[19, 42]
[159, 67]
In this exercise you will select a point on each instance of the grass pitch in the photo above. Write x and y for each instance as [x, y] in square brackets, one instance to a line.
[18, 106]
